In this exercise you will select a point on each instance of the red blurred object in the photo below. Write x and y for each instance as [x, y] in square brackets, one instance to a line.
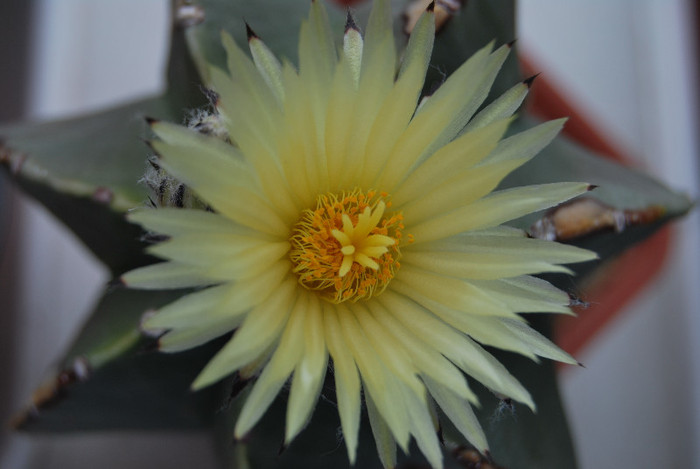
[625, 277]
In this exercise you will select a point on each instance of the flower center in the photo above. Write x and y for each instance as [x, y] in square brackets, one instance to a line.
[346, 249]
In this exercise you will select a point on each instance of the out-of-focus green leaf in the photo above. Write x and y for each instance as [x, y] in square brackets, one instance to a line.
[319, 446]
[127, 386]
[619, 187]
[86, 170]
[102, 154]
[519, 438]
[276, 22]
[478, 23]
[86, 155]
[104, 231]
[112, 328]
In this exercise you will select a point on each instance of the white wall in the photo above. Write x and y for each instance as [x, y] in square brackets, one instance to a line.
[629, 65]
[88, 55]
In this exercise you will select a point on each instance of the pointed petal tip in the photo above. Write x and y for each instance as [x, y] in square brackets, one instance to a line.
[283, 447]
[149, 144]
[529, 81]
[152, 146]
[440, 434]
[119, 281]
[250, 33]
[198, 384]
[581, 365]
[151, 120]
[511, 43]
[576, 301]
[238, 438]
[157, 345]
[150, 161]
[350, 22]
[592, 187]
[150, 346]
[431, 7]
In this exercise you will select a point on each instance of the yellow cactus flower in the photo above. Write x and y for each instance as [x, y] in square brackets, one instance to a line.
[352, 220]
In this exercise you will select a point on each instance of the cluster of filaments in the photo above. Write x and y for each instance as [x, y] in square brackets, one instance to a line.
[346, 248]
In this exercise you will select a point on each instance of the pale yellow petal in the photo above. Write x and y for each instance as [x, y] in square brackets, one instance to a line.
[197, 148]
[180, 221]
[386, 445]
[500, 108]
[245, 99]
[188, 310]
[254, 367]
[352, 50]
[347, 381]
[389, 350]
[457, 156]
[200, 160]
[317, 63]
[276, 372]
[507, 334]
[452, 292]
[526, 144]
[428, 360]
[461, 350]
[537, 343]
[400, 103]
[460, 413]
[299, 140]
[477, 265]
[165, 276]
[460, 189]
[416, 57]
[215, 182]
[375, 376]
[492, 257]
[253, 116]
[258, 144]
[249, 292]
[341, 106]
[379, 52]
[249, 263]
[205, 330]
[422, 426]
[438, 120]
[309, 372]
[497, 208]
[260, 329]
[317, 53]
[489, 331]
[268, 65]
[526, 294]
[205, 249]
[453, 98]
[377, 74]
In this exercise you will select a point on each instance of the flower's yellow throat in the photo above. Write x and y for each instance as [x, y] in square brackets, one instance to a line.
[347, 248]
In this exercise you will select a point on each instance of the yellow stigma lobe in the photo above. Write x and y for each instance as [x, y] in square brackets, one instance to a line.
[346, 249]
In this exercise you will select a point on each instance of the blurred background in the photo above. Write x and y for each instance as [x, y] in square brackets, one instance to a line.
[629, 66]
